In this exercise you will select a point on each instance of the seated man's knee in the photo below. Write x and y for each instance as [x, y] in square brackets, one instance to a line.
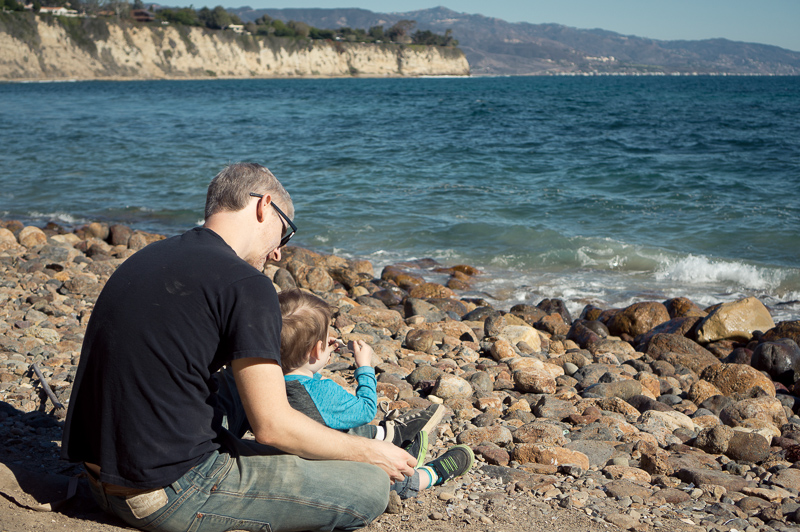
[374, 491]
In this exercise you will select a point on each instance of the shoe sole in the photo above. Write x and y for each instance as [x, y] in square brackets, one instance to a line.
[434, 420]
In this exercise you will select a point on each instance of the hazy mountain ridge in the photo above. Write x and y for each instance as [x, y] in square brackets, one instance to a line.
[494, 46]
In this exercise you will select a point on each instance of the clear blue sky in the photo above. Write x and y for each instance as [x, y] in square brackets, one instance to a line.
[775, 22]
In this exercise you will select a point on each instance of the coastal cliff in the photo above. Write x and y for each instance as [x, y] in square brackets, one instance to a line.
[39, 48]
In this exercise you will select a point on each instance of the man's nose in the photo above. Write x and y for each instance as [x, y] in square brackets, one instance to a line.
[275, 255]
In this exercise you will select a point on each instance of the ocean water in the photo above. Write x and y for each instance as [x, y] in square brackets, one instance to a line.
[606, 190]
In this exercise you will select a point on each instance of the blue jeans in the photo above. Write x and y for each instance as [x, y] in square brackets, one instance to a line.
[248, 486]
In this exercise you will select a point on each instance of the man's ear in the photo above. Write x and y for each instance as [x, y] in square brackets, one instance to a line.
[263, 205]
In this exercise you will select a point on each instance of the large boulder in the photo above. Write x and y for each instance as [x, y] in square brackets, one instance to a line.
[780, 359]
[737, 378]
[681, 326]
[638, 318]
[677, 343]
[31, 236]
[764, 408]
[735, 321]
[7, 240]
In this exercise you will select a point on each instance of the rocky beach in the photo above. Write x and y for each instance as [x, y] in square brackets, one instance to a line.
[658, 416]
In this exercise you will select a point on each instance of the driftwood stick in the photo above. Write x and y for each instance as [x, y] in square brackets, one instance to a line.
[47, 390]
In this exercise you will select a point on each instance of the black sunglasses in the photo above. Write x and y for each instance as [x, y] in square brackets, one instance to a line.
[292, 228]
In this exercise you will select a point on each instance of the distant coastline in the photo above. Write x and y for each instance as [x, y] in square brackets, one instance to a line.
[54, 49]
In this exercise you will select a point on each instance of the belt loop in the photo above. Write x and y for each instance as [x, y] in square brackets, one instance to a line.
[176, 486]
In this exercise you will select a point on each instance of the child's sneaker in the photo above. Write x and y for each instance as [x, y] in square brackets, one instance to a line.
[419, 447]
[402, 430]
[454, 463]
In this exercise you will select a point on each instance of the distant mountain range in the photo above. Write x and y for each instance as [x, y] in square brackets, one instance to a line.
[496, 47]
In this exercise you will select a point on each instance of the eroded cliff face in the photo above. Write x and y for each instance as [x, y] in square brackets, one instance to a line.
[98, 49]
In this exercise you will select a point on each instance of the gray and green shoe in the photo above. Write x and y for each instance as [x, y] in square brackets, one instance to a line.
[453, 463]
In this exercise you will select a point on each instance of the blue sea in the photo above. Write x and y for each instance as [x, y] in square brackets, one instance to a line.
[602, 190]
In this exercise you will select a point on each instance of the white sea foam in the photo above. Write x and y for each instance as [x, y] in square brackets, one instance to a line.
[699, 270]
[61, 217]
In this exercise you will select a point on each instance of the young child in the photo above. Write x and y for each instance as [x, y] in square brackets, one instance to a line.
[306, 347]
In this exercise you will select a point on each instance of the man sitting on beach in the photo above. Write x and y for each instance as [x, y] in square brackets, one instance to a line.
[159, 428]
[306, 348]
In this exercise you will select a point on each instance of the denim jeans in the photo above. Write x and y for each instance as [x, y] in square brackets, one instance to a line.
[248, 486]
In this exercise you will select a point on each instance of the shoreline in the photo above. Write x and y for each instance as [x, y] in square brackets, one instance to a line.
[656, 416]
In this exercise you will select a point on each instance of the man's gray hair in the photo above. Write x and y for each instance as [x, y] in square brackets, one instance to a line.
[230, 189]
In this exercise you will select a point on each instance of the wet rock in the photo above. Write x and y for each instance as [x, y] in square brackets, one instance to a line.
[638, 319]
[785, 329]
[431, 290]
[557, 306]
[780, 359]
[682, 306]
[735, 321]
[581, 334]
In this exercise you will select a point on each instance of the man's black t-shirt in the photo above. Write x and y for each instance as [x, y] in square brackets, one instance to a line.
[172, 314]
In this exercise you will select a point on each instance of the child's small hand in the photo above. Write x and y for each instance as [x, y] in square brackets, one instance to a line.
[362, 352]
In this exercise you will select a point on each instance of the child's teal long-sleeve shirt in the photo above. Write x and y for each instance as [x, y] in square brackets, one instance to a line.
[340, 409]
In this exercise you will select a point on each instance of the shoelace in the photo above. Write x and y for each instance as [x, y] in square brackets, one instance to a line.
[389, 415]
[394, 415]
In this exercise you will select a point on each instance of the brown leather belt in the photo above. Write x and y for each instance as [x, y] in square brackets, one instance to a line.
[112, 489]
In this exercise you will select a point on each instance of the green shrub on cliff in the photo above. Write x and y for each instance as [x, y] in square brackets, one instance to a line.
[11, 5]
[184, 16]
[21, 26]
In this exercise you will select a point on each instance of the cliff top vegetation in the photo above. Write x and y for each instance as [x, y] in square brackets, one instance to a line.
[219, 18]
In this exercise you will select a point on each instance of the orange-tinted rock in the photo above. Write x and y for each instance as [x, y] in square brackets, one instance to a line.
[737, 378]
[638, 318]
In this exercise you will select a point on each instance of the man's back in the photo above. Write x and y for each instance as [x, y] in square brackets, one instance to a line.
[168, 318]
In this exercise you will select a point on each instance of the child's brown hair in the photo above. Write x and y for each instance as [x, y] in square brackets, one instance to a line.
[306, 318]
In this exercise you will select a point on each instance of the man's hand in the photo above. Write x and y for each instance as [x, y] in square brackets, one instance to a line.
[395, 461]
[362, 352]
[273, 422]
